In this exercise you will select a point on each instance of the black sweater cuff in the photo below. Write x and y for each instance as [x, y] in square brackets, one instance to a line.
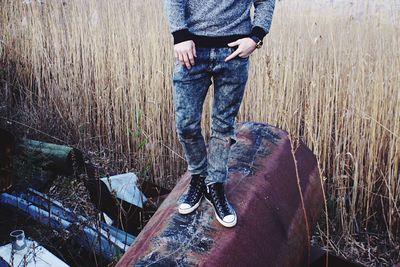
[181, 36]
[258, 32]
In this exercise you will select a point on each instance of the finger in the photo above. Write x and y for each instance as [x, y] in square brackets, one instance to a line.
[243, 55]
[234, 54]
[235, 43]
[191, 58]
[180, 57]
[186, 60]
[194, 51]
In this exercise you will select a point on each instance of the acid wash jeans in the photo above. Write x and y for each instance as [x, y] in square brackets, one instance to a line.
[190, 89]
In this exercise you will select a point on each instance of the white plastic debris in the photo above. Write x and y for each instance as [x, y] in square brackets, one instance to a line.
[30, 254]
[124, 186]
[107, 219]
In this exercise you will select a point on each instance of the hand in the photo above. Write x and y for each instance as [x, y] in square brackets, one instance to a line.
[185, 52]
[245, 47]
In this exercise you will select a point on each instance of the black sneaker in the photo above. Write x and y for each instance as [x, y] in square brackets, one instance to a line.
[194, 195]
[224, 211]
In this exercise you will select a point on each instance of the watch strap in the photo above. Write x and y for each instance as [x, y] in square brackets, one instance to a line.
[257, 40]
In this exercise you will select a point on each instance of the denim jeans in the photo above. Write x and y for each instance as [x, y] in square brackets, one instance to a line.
[190, 89]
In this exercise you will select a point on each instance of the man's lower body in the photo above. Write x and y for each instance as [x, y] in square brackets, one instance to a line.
[209, 169]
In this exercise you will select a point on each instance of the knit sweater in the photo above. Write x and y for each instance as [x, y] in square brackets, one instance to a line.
[218, 22]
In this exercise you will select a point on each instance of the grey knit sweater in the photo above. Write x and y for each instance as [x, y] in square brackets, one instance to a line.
[218, 22]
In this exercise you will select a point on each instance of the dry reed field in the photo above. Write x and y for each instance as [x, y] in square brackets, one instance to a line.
[98, 75]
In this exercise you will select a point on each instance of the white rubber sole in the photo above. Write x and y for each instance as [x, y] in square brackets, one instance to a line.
[189, 210]
[226, 224]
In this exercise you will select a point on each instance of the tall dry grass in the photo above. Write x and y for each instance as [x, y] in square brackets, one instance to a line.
[98, 73]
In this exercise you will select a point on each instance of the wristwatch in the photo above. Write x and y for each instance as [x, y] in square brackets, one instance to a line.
[257, 40]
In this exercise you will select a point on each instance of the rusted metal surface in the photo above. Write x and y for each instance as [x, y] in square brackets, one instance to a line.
[263, 187]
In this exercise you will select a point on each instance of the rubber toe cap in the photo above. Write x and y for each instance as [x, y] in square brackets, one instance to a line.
[184, 206]
[229, 218]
